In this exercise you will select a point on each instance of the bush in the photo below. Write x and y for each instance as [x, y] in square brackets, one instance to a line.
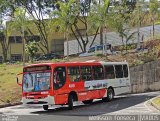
[99, 55]
[147, 57]
[136, 63]
[57, 60]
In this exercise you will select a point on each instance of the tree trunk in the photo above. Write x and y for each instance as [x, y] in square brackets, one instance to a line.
[84, 47]
[66, 34]
[126, 47]
[5, 56]
[23, 39]
[4, 46]
[153, 29]
[94, 37]
[101, 36]
[123, 44]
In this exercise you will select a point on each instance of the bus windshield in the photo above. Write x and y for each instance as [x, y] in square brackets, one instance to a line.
[33, 82]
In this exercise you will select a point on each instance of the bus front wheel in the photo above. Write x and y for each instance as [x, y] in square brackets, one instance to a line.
[45, 107]
[70, 102]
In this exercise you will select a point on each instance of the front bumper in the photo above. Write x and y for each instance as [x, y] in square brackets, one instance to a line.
[38, 102]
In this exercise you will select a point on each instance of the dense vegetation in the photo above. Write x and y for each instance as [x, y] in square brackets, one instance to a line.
[95, 15]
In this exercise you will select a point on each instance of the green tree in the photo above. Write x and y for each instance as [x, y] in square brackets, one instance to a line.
[31, 49]
[153, 9]
[83, 35]
[65, 17]
[138, 18]
[4, 44]
[38, 11]
[6, 10]
[128, 35]
[120, 22]
[98, 16]
[20, 22]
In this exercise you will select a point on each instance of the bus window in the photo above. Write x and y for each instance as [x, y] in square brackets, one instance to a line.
[119, 71]
[125, 70]
[59, 78]
[86, 73]
[74, 74]
[109, 72]
[98, 72]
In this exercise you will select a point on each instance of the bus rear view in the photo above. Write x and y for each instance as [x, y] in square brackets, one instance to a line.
[36, 86]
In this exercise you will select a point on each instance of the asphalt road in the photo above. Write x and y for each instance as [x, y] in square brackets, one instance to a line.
[134, 104]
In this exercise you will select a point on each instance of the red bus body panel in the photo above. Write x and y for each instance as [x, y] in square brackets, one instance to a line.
[61, 95]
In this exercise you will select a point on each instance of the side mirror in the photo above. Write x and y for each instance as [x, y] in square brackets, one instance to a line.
[18, 80]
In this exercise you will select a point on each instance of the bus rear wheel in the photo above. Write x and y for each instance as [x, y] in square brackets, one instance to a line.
[45, 107]
[70, 102]
[87, 101]
[110, 94]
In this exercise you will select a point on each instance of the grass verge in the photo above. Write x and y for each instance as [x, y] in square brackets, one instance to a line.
[10, 92]
[156, 103]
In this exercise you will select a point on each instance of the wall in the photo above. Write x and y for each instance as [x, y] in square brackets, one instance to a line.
[145, 77]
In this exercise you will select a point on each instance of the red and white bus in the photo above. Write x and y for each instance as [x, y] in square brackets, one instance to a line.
[63, 83]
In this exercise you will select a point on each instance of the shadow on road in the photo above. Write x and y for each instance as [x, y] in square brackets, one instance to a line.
[98, 107]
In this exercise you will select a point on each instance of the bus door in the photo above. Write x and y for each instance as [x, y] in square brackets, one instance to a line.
[59, 80]
[126, 77]
[121, 77]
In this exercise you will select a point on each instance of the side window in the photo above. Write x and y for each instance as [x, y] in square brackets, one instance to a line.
[59, 78]
[74, 74]
[109, 72]
[86, 73]
[119, 71]
[125, 70]
[98, 72]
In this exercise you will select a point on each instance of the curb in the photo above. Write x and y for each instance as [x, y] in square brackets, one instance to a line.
[8, 105]
[155, 105]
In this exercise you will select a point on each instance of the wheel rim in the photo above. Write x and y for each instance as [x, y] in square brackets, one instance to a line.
[110, 95]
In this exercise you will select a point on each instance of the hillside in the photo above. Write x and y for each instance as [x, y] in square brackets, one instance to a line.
[10, 92]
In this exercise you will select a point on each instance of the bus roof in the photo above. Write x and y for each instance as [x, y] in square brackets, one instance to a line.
[78, 63]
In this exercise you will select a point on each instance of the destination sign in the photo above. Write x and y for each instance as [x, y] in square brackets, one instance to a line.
[36, 68]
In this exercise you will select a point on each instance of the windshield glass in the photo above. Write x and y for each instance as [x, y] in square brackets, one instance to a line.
[33, 82]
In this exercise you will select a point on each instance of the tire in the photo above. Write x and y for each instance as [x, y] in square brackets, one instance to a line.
[87, 101]
[45, 107]
[104, 99]
[70, 102]
[110, 95]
